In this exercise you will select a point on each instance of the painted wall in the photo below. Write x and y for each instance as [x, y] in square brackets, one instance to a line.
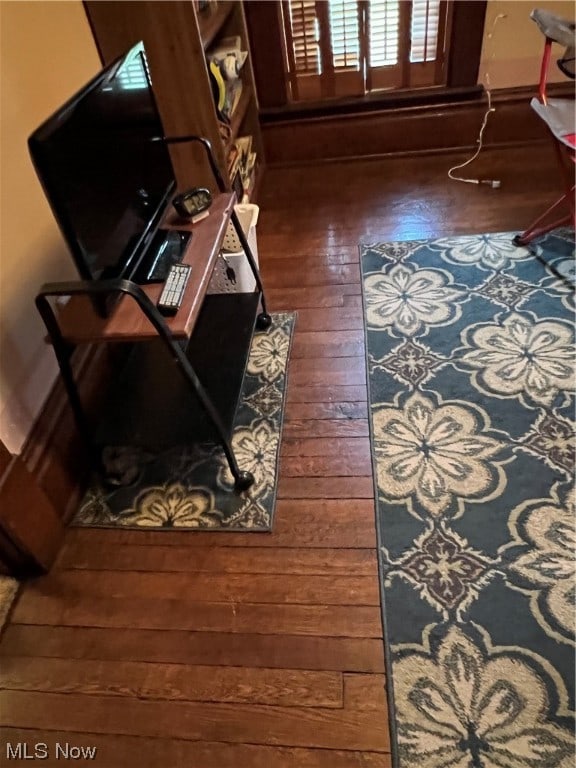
[46, 53]
[512, 48]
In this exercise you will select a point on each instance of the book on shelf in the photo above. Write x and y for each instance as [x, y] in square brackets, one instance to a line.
[233, 162]
[226, 93]
[238, 186]
[225, 61]
[241, 163]
[248, 186]
[244, 145]
[250, 163]
[233, 94]
[240, 155]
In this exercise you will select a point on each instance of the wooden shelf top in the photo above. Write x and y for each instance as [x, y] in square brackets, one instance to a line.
[80, 323]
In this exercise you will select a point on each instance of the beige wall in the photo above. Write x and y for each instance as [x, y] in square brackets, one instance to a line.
[512, 48]
[46, 54]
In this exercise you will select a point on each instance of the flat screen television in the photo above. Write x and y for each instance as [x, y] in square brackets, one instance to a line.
[108, 176]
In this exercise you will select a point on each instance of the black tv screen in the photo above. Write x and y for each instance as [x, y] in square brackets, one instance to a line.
[106, 176]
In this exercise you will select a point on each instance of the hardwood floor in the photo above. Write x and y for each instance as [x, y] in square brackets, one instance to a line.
[218, 650]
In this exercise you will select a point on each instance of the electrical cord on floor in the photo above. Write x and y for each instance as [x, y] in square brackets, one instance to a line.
[494, 183]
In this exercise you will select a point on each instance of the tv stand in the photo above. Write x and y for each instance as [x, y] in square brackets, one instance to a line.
[167, 247]
[135, 318]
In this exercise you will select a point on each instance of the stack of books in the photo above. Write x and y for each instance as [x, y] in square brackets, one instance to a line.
[241, 163]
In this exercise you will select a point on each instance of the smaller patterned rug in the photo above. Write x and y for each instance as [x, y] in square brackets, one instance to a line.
[191, 487]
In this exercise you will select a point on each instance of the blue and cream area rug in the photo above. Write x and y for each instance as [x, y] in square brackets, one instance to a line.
[470, 347]
[191, 486]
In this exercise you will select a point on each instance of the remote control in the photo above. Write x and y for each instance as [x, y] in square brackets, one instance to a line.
[173, 291]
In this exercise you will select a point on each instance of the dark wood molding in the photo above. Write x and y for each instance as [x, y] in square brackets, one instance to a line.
[10, 559]
[31, 531]
[406, 130]
[264, 25]
[40, 487]
[372, 102]
[466, 36]
[9, 555]
[53, 452]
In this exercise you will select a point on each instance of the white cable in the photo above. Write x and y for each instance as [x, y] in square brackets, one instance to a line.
[494, 183]
[478, 150]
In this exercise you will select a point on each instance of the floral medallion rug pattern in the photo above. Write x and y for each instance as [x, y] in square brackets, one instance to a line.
[191, 487]
[470, 351]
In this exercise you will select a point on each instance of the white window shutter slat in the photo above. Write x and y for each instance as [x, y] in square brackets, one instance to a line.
[344, 34]
[305, 37]
[424, 30]
[384, 30]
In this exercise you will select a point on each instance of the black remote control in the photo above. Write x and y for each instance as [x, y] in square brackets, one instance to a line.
[174, 287]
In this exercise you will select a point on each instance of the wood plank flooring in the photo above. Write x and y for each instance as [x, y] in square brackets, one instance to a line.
[216, 650]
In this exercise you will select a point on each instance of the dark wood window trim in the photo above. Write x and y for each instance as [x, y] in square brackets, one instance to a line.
[372, 103]
[266, 41]
[466, 36]
[264, 23]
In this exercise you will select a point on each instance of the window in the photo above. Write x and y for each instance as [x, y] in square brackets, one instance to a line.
[337, 48]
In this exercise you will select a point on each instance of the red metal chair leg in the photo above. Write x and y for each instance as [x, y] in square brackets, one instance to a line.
[561, 31]
[535, 230]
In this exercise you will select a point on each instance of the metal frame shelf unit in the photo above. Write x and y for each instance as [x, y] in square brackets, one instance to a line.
[207, 340]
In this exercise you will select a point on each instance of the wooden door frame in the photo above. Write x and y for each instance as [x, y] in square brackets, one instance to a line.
[31, 531]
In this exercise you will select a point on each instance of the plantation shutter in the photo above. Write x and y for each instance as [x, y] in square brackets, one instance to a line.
[345, 60]
[324, 49]
[428, 32]
[351, 47]
[303, 49]
[387, 43]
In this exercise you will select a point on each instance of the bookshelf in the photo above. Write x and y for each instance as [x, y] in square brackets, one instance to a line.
[177, 36]
[211, 20]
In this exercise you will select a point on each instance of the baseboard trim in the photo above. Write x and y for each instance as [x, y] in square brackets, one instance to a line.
[53, 452]
[373, 102]
[408, 153]
[409, 130]
[31, 531]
